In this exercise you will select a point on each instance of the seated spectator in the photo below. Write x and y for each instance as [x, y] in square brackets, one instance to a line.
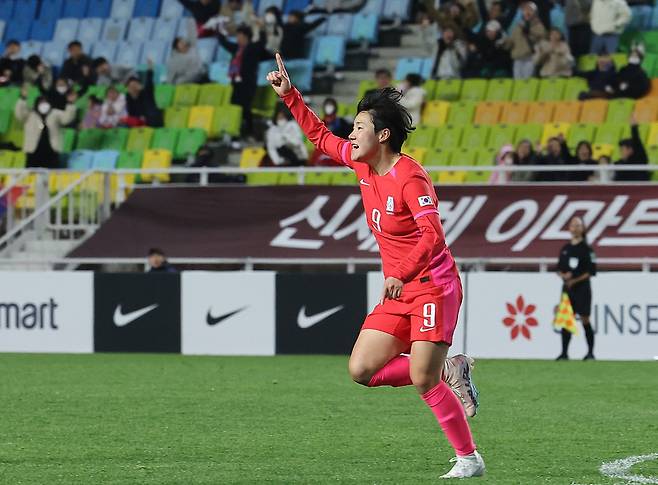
[294, 33]
[93, 115]
[553, 57]
[158, 263]
[36, 73]
[57, 95]
[237, 13]
[525, 155]
[184, 65]
[103, 74]
[140, 102]
[43, 138]
[505, 157]
[77, 68]
[413, 96]
[488, 57]
[576, 16]
[284, 140]
[525, 35]
[461, 17]
[337, 125]
[601, 80]
[202, 11]
[273, 28]
[450, 57]
[557, 153]
[608, 19]
[11, 64]
[632, 153]
[383, 78]
[583, 156]
[114, 108]
[631, 80]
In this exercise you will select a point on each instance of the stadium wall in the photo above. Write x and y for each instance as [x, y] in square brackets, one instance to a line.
[266, 313]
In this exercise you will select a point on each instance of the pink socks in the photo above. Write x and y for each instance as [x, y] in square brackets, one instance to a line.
[395, 373]
[450, 415]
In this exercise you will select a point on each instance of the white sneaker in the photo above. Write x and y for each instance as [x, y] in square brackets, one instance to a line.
[458, 375]
[466, 466]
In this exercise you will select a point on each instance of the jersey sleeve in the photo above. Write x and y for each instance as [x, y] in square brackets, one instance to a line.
[419, 196]
[316, 131]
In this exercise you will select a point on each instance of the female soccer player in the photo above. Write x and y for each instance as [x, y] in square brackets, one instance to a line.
[422, 290]
[577, 264]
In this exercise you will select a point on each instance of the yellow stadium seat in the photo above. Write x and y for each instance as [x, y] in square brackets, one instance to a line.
[514, 113]
[554, 129]
[60, 180]
[602, 150]
[487, 113]
[435, 113]
[654, 88]
[26, 200]
[251, 157]
[201, 117]
[156, 159]
[652, 139]
[452, 177]
[646, 110]
[541, 112]
[594, 111]
[417, 154]
[567, 111]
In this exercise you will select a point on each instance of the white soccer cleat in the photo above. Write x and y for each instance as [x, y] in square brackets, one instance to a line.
[466, 466]
[458, 375]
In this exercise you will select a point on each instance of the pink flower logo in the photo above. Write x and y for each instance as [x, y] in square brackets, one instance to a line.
[520, 318]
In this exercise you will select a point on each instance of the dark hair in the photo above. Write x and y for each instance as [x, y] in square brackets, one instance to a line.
[13, 42]
[383, 72]
[273, 9]
[156, 252]
[131, 79]
[556, 29]
[297, 13]
[584, 227]
[584, 143]
[99, 61]
[281, 109]
[74, 43]
[174, 44]
[414, 79]
[626, 142]
[330, 100]
[95, 99]
[245, 30]
[33, 61]
[384, 107]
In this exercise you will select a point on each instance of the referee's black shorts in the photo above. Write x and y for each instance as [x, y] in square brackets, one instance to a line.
[581, 299]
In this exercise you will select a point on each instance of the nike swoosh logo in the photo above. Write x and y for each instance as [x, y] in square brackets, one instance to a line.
[426, 329]
[210, 320]
[306, 321]
[121, 319]
[363, 182]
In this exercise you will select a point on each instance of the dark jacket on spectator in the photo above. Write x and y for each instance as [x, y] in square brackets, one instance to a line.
[631, 82]
[293, 40]
[253, 54]
[144, 106]
[639, 157]
[15, 66]
[579, 175]
[201, 13]
[597, 80]
[548, 159]
[490, 58]
[505, 19]
[72, 69]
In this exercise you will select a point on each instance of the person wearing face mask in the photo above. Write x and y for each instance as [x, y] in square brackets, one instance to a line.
[631, 80]
[413, 96]
[284, 140]
[43, 128]
[273, 28]
[113, 109]
[11, 64]
[58, 92]
[505, 157]
[337, 125]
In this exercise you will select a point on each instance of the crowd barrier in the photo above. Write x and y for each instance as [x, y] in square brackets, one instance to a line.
[267, 313]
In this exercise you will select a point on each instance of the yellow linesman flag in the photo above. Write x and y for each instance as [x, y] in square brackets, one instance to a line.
[564, 317]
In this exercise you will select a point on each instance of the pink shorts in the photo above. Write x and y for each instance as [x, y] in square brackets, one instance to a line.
[420, 315]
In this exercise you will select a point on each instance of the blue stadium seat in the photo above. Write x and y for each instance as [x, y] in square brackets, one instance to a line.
[147, 8]
[51, 8]
[426, 68]
[165, 29]
[339, 24]
[89, 31]
[128, 53]
[396, 9]
[2, 32]
[99, 8]
[140, 29]
[105, 49]
[74, 9]
[122, 9]
[364, 28]
[218, 72]
[222, 55]
[25, 9]
[206, 48]
[295, 5]
[320, 29]
[43, 28]
[186, 26]
[104, 160]
[31, 47]
[266, 66]
[6, 9]
[154, 50]
[557, 18]
[329, 50]
[66, 30]
[373, 7]
[53, 52]
[641, 18]
[653, 22]
[301, 70]
[171, 9]
[265, 4]
[17, 29]
[81, 160]
[114, 30]
[408, 65]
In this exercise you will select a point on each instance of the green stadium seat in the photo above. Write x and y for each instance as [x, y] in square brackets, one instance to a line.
[139, 139]
[587, 62]
[6, 159]
[464, 156]
[365, 86]
[437, 156]
[651, 41]
[114, 139]
[189, 142]
[8, 97]
[574, 86]
[165, 139]
[475, 136]
[473, 90]
[430, 88]
[448, 136]
[5, 120]
[500, 135]
[318, 178]
[69, 140]
[186, 95]
[164, 95]
[91, 139]
[227, 120]
[551, 89]
[525, 89]
[422, 136]
[529, 131]
[288, 178]
[344, 178]
[263, 178]
[214, 95]
[129, 160]
[20, 159]
[448, 89]
[644, 129]
[620, 110]
[580, 132]
[620, 59]
[485, 158]
[462, 112]
[176, 117]
[650, 64]
[499, 90]
[265, 102]
[610, 133]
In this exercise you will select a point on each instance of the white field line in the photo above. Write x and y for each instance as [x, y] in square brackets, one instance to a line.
[621, 469]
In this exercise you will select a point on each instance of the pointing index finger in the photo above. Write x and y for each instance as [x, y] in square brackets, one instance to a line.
[279, 62]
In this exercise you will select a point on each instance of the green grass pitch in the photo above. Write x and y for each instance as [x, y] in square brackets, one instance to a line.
[165, 419]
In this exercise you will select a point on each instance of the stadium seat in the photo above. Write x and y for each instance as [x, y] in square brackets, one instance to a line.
[228, 120]
[201, 117]
[580, 132]
[122, 9]
[295, 5]
[448, 136]
[514, 113]
[126, 160]
[17, 29]
[206, 48]
[475, 136]
[24, 10]
[99, 8]
[343, 177]
[610, 133]
[429, 86]
[408, 65]
[417, 153]
[108, 50]
[31, 47]
[501, 134]
[105, 160]
[156, 159]
[75, 9]
[487, 113]
[620, 110]
[473, 90]
[396, 9]
[484, 158]
[573, 87]
[339, 24]
[437, 157]
[114, 139]
[51, 9]
[214, 94]
[146, 8]
[364, 28]
[5, 120]
[139, 139]
[301, 70]
[288, 178]
[140, 29]
[448, 89]
[554, 130]
[366, 85]
[171, 9]
[42, 30]
[451, 177]
[186, 94]
[602, 150]
[465, 156]
[435, 113]
[528, 131]
[81, 160]
[89, 32]
[128, 53]
[329, 51]
[6, 158]
[646, 111]
[263, 178]
[114, 30]
[422, 136]
[176, 116]
[265, 102]
[164, 29]
[551, 89]
[540, 112]
[499, 90]
[525, 89]
[165, 139]
[318, 178]
[90, 139]
[66, 30]
[251, 157]
[189, 142]
[218, 72]
[567, 111]
[594, 111]
[154, 50]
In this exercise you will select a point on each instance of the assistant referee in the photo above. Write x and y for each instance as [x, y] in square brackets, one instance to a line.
[576, 265]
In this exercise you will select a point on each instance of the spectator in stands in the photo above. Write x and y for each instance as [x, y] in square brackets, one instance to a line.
[36, 73]
[553, 56]
[273, 28]
[383, 78]
[603, 176]
[158, 263]
[140, 102]
[184, 65]
[11, 64]
[238, 13]
[337, 125]
[336, 6]
[488, 57]
[202, 11]
[608, 19]
[632, 153]
[93, 115]
[413, 96]
[77, 67]
[521, 43]
[557, 153]
[43, 128]
[457, 16]
[114, 108]
[496, 11]
[450, 57]
[57, 95]
[505, 157]
[631, 80]
[103, 74]
[285, 143]
[583, 156]
[429, 33]
[576, 17]
[294, 33]
[525, 155]
[601, 80]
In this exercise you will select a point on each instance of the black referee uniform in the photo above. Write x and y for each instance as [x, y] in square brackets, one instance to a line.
[579, 259]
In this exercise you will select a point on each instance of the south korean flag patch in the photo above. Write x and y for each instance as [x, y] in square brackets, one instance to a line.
[424, 200]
